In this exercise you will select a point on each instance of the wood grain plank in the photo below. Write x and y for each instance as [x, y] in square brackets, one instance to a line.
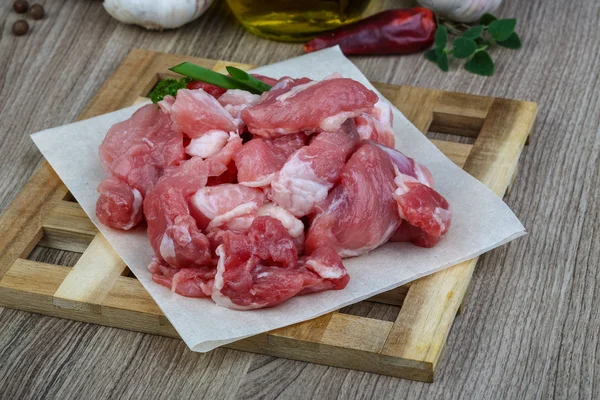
[20, 224]
[427, 314]
[30, 286]
[495, 154]
[457, 152]
[417, 105]
[357, 333]
[128, 294]
[309, 331]
[67, 227]
[336, 356]
[394, 297]
[88, 283]
[460, 114]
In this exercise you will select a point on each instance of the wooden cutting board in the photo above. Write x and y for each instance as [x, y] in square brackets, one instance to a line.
[99, 289]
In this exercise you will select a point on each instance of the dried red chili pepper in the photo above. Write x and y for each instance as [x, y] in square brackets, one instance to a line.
[389, 32]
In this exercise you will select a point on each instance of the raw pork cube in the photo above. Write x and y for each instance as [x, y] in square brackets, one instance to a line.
[259, 159]
[214, 91]
[230, 207]
[261, 268]
[377, 124]
[425, 213]
[407, 166]
[119, 205]
[135, 152]
[189, 282]
[173, 232]
[308, 107]
[221, 161]
[226, 207]
[208, 144]
[235, 101]
[195, 112]
[360, 212]
[310, 172]
[139, 148]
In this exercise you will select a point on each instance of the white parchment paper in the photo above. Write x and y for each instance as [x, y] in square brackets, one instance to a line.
[481, 221]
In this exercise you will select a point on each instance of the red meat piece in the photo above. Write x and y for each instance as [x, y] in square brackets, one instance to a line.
[195, 112]
[360, 213]
[135, 151]
[424, 209]
[377, 124]
[235, 101]
[310, 172]
[119, 205]
[261, 268]
[309, 107]
[259, 159]
[189, 282]
[407, 166]
[229, 176]
[215, 91]
[219, 163]
[226, 206]
[173, 232]
[426, 214]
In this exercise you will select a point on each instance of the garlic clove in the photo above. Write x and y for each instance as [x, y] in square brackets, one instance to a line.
[156, 14]
[461, 10]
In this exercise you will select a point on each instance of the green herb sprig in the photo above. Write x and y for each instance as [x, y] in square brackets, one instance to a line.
[168, 87]
[472, 44]
[199, 73]
[239, 79]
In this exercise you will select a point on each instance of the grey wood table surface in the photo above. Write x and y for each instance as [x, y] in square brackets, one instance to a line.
[531, 325]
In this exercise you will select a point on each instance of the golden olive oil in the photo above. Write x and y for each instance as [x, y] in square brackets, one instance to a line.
[296, 20]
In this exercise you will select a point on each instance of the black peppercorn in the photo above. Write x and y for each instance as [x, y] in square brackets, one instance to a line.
[20, 6]
[37, 11]
[20, 27]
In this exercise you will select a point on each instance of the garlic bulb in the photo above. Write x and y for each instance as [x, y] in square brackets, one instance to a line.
[156, 14]
[461, 10]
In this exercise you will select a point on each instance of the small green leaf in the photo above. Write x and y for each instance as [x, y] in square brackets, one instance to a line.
[474, 32]
[442, 62]
[167, 87]
[431, 55]
[441, 37]
[501, 29]
[513, 42]
[480, 64]
[487, 19]
[464, 47]
[480, 42]
[248, 80]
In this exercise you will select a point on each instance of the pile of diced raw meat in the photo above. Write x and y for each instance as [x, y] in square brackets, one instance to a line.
[251, 200]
